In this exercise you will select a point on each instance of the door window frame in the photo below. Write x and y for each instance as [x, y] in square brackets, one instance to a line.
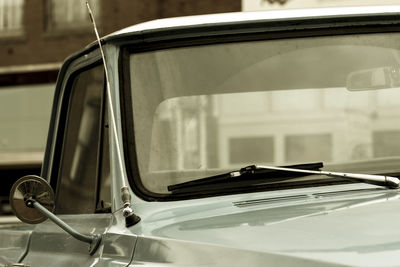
[71, 69]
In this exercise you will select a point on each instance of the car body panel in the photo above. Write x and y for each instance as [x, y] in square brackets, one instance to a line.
[343, 226]
[164, 252]
[50, 245]
[14, 242]
[118, 244]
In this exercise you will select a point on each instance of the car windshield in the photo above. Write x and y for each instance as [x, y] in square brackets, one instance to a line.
[203, 110]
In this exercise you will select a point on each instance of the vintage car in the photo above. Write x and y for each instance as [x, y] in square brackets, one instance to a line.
[167, 157]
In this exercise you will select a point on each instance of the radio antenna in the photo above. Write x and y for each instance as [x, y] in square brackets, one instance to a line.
[130, 217]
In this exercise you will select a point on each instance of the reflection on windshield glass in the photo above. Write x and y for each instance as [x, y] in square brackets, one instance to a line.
[210, 108]
[281, 127]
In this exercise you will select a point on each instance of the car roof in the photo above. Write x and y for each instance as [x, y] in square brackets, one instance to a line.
[251, 17]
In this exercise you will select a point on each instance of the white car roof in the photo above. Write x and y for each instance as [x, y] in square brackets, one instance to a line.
[275, 15]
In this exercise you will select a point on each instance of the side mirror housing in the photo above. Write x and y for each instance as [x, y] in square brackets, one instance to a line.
[31, 187]
[32, 200]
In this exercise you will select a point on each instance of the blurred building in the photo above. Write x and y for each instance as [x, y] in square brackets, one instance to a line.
[37, 35]
[35, 38]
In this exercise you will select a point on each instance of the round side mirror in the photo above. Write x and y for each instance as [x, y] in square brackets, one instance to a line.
[31, 187]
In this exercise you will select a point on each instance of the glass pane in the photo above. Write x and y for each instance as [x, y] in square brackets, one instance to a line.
[11, 12]
[254, 149]
[104, 186]
[313, 147]
[386, 143]
[204, 110]
[79, 169]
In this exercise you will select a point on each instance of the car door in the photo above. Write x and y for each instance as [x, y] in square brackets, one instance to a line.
[79, 171]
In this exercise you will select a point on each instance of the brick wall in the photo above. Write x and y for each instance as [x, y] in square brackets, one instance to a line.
[38, 44]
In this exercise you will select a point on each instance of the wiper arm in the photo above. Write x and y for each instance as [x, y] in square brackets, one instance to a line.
[267, 174]
[381, 180]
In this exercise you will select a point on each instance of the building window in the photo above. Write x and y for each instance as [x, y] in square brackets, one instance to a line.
[71, 14]
[11, 13]
[307, 148]
[246, 150]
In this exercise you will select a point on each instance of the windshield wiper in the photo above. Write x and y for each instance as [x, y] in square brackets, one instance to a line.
[273, 174]
[246, 174]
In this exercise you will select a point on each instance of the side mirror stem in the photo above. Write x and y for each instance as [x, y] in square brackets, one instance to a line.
[92, 240]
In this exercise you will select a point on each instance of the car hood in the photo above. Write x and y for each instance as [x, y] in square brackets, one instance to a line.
[350, 227]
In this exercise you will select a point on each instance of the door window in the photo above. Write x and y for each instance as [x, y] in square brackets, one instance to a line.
[78, 189]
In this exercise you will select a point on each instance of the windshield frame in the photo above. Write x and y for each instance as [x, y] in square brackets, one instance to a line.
[212, 37]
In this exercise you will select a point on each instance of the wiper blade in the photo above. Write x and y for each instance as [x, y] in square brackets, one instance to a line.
[247, 172]
[273, 174]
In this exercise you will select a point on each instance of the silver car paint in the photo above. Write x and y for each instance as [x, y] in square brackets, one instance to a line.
[51, 246]
[322, 229]
[13, 242]
[344, 228]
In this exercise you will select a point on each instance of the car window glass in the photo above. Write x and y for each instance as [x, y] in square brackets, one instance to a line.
[77, 186]
[203, 110]
[104, 184]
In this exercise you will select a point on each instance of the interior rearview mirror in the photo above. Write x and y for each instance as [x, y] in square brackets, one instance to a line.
[31, 187]
[376, 78]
